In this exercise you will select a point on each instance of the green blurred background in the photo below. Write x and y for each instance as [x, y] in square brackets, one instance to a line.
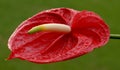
[13, 12]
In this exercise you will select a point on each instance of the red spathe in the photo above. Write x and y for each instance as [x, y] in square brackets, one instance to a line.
[89, 31]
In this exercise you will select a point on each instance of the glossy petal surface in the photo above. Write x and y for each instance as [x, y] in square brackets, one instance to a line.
[89, 31]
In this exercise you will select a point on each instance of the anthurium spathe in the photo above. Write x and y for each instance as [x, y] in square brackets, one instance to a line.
[58, 34]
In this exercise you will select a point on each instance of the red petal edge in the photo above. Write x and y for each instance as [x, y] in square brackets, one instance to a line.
[89, 31]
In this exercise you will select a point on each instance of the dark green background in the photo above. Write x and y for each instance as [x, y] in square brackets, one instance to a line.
[13, 12]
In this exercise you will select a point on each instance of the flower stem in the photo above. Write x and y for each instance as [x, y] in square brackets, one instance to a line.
[114, 36]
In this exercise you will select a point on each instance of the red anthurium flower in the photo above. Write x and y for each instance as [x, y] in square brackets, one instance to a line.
[86, 31]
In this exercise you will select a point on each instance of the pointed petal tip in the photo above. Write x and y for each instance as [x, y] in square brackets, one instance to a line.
[11, 56]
